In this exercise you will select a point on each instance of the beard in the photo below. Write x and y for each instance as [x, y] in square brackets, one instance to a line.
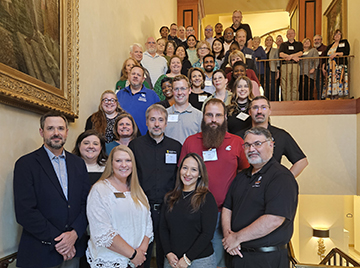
[213, 137]
[55, 145]
[152, 50]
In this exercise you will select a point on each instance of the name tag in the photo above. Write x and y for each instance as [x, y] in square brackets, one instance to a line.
[319, 52]
[210, 155]
[208, 83]
[202, 98]
[142, 99]
[342, 45]
[242, 116]
[248, 56]
[173, 118]
[291, 48]
[170, 157]
[119, 195]
[306, 52]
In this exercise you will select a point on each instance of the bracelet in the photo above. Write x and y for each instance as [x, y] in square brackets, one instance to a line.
[186, 259]
[133, 256]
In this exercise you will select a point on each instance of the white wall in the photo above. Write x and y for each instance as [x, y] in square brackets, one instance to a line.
[106, 32]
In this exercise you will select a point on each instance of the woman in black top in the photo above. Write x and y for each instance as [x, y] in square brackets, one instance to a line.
[197, 83]
[188, 218]
[186, 65]
[166, 87]
[238, 116]
[104, 119]
[336, 68]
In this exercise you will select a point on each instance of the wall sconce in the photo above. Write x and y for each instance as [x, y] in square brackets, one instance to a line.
[321, 234]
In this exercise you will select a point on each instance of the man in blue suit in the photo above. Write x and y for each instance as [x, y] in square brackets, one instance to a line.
[50, 189]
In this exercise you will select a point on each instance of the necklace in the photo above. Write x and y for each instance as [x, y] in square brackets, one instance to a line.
[184, 196]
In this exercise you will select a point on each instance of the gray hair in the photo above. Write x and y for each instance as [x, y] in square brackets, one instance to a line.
[157, 107]
[135, 45]
[259, 131]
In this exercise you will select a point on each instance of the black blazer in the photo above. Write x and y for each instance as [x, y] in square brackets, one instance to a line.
[43, 211]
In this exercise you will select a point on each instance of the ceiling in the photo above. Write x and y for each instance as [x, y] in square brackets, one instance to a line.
[246, 6]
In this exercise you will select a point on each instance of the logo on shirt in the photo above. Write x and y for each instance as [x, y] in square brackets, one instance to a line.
[142, 97]
[257, 183]
[228, 148]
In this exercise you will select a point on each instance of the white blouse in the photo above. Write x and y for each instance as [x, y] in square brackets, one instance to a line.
[109, 216]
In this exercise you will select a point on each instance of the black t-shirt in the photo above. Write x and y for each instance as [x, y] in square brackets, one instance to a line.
[284, 145]
[291, 48]
[156, 177]
[236, 122]
[197, 100]
[246, 27]
[271, 191]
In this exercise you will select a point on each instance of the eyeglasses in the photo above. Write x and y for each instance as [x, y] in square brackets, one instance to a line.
[182, 89]
[208, 30]
[256, 144]
[109, 100]
[262, 107]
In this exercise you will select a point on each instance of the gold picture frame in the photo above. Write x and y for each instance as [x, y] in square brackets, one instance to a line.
[26, 92]
[335, 17]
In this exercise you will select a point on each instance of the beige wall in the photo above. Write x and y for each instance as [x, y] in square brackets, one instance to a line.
[260, 23]
[106, 31]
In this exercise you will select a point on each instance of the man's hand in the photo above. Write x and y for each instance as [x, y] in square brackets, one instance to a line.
[230, 242]
[67, 241]
[71, 254]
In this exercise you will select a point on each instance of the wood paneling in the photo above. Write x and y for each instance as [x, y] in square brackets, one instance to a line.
[188, 13]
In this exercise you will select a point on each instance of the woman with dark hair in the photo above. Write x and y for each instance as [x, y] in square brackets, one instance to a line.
[218, 51]
[103, 120]
[125, 70]
[191, 50]
[240, 69]
[164, 32]
[175, 69]
[336, 68]
[169, 51]
[166, 87]
[197, 83]
[90, 146]
[188, 218]
[220, 83]
[186, 65]
[119, 215]
[125, 130]
[237, 116]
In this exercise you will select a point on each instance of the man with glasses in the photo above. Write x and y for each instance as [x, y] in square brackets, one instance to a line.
[209, 32]
[223, 156]
[183, 119]
[153, 62]
[259, 209]
[237, 25]
[136, 98]
[284, 143]
[228, 38]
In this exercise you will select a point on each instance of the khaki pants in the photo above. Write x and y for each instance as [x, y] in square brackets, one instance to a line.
[290, 73]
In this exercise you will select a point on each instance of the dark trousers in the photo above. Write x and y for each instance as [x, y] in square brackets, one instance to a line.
[306, 88]
[276, 259]
[155, 216]
[271, 86]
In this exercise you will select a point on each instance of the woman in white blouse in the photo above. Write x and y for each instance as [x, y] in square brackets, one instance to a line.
[118, 214]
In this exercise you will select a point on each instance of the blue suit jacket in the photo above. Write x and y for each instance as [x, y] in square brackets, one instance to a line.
[43, 211]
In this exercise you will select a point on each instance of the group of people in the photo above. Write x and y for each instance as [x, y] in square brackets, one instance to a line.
[290, 71]
[191, 165]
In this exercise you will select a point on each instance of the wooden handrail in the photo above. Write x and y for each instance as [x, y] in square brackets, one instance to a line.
[5, 261]
[343, 255]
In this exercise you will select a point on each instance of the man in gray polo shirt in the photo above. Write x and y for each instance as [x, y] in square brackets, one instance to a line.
[183, 119]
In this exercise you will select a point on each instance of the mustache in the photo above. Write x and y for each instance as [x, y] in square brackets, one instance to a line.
[55, 137]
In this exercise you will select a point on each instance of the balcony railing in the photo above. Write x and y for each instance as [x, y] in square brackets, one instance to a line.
[312, 78]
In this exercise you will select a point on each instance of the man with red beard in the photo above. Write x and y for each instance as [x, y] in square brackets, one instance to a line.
[223, 155]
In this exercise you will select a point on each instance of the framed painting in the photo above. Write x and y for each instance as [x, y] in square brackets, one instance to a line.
[39, 55]
[335, 17]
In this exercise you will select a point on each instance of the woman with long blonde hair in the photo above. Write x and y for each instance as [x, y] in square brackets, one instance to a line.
[118, 214]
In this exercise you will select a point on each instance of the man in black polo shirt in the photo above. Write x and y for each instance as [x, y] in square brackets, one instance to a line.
[284, 143]
[260, 207]
[156, 161]
[237, 25]
[290, 51]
